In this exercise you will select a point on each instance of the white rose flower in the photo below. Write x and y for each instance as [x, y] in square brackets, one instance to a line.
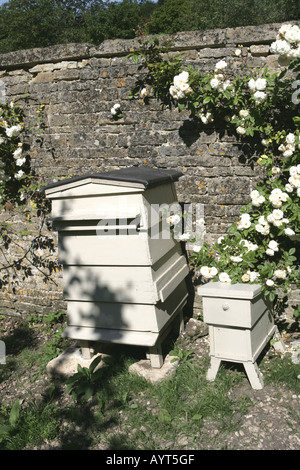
[289, 188]
[17, 153]
[174, 219]
[260, 84]
[276, 192]
[293, 171]
[284, 197]
[251, 84]
[213, 271]
[244, 222]
[280, 47]
[289, 232]
[269, 282]
[19, 174]
[20, 161]
[294, 53]
[204, 271]
[276, 170]
[259, 97]
[270, 252]
[295, 181]
[287, 153]
[173, 91]
[144, 92]
[252, 247]
[281, 148]
[254, 194]
[273, 245]
[13, 131]
[290, 138]
[253, 275]
[180, 87]
[114, 110]
[277, 214]
[183, 87]
[236, 259]
[184, 236]
[207, 272]
[257, 199]
[293, 34]
[276, 203]
[280, 274]
[214, 83]
[262, 220]
[240, 130]
[243, 113]
[221, 65]
[224, 277]
[184, 76]
[265, 230]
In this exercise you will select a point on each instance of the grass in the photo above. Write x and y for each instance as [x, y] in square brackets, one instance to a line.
[126, 412]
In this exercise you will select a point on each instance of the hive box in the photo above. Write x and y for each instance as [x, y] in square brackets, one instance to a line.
[240, 325]
[123, 272]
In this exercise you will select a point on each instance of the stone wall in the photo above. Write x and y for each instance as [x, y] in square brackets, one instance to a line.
[79, 83]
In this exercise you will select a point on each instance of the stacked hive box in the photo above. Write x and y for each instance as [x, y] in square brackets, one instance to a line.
[123, 277]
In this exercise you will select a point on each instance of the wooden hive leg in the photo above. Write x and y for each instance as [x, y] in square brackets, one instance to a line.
[156, 357]
[213, 369]
[254, 375]
[85, 350]
[278, 343]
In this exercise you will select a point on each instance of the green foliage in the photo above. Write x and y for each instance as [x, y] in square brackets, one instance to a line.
[173, 16]
[161, 65]
[7, 429]
[26, 24]
[182, 356]
[85, 382]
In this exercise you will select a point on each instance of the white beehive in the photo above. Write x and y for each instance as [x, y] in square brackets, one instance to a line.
[123, 272]
[240, 324]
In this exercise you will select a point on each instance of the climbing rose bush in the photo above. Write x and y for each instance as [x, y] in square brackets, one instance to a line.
[13, 165]
[261, 246]
[287, 44]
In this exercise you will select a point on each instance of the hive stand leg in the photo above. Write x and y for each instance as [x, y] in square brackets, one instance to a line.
[213, 370]
[85, 350]
[181, 322]
[254, 375]
[278, 344]
[156, 357]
